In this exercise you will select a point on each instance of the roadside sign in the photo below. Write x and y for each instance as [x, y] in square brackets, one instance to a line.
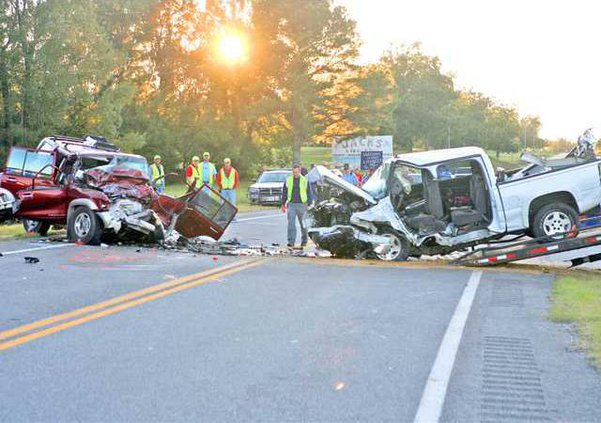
[371, 159]
[349, 151]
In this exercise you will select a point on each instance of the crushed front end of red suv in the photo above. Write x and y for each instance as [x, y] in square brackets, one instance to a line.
[99, 192]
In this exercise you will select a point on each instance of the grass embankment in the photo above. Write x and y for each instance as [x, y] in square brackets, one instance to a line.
[316, 155]
[16, 230]
[13, 230]
[577, 299]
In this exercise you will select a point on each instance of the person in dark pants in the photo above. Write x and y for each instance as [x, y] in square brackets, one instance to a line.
[295, 197]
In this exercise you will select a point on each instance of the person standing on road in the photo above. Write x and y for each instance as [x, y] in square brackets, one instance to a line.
[228, 180]
[193, 176]
[156, 172]
[207, 170]
[348, 176]
[359, 177]
[295, 197]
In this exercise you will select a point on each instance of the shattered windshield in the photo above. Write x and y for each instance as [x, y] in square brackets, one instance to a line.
[135, 166]
[376, 184]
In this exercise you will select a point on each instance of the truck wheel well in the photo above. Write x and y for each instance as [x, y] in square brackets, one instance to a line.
[556, 197]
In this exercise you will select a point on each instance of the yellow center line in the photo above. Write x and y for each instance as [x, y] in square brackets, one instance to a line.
[126, 297]
[123, 303]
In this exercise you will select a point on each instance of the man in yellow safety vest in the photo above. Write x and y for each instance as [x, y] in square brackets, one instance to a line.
[207, 170]
[157, 174]
[228, 180]
[295, 198]
[193, 176]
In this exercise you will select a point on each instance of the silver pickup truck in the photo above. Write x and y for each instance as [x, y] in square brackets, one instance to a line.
[436, 202]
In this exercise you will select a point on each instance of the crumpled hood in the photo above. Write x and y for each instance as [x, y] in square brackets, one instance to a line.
[322, 175]
[120, 183]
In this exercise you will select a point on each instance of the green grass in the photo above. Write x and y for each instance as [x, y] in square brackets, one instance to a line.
[13, 230]
[577, 299]
[16, 230]
[316, 155]
[506, 160]
[243, 204]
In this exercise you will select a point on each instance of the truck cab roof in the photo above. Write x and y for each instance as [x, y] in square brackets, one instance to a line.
[432, 157]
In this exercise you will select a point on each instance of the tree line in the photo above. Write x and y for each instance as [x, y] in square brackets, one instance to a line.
[147, 75]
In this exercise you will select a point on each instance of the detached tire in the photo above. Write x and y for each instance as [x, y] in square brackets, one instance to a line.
[85, 227]
[554, 220]
[399, 251]
[36, 226]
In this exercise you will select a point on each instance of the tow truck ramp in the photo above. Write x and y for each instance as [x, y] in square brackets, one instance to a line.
[507, 252]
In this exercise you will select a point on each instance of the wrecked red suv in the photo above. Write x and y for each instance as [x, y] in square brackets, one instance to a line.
[97, 192]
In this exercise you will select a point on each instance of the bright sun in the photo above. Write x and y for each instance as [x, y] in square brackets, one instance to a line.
[232, 48]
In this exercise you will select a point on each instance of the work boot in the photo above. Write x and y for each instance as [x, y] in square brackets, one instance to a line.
[290, 245]
[303, 244]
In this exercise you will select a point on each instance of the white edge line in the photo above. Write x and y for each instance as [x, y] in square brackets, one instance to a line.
[28, 250]
[435, 391]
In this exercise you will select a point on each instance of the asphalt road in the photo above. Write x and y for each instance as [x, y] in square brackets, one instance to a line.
[128, 334]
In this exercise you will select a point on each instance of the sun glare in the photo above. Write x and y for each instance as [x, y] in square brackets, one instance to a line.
[232, 48]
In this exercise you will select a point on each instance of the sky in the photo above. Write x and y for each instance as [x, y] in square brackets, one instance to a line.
[542, 57]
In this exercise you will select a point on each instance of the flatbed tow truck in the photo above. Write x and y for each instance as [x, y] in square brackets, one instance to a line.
[502, 252]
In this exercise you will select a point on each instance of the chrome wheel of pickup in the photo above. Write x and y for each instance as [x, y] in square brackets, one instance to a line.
[554, 221]
[557, 222]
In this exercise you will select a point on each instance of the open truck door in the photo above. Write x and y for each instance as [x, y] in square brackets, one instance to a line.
[23, 165]
[30, 176]
[200, 213]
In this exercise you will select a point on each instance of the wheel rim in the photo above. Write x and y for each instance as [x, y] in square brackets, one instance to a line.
[556, 222]
[82, 225]
[31, 225]
[395, 249]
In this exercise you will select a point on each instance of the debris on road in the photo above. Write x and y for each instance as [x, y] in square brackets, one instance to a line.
[234, 247]
[31, 260]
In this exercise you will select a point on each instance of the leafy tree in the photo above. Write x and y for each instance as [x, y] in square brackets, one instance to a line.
[502, 129]
[372, 103]
[311, 48]
[422, 98]
[530, 126]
